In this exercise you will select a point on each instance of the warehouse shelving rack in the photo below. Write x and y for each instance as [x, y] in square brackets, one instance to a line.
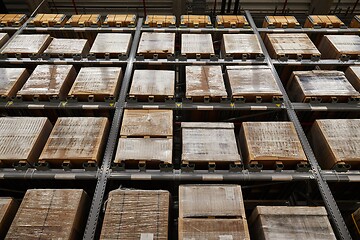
[105, 173]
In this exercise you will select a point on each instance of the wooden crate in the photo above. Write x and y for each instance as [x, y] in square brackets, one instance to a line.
[355, 22]
[150, 85]
[336, 142]
[22, 138]
[234, 21]
[252, 83]
[271, 143]
[50, 214]
[144, 215]
[161, 44]
[337, 46]
[11, 81]
[27, 44]
[8, 208]
[290, 45]
[195, 21]
[48, 82]
[4, 37]
[12, 20]
[241, 45]
[120, 20]
[153, 123]
[76, 140]
[353, 75]
[283, 222]
[205, 83]
[160, 21]
[67, 47]
[210, 143]
[213, 201]
[48, 20]
[213, 229]
[327, 85]
[97, 84]
[85, 20]
[112, 44]
[280, 22]
[194, 45]
[323, 21]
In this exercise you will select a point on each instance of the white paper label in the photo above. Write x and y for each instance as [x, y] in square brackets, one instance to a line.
[146, 236]
[225, 237]
[230, 194]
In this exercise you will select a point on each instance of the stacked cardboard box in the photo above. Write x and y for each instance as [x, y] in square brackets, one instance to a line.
[85, 20]
[48, 20]
[280, 22]
[240, 45]
[193, 45]
[152, 43]
[336, 46]
[67, 47]
[228, 21]
[27, 44]
[12, 20]
[11, 81]
[323, 21]
[120, 20]
[112, 44]
[353, 75]
[160, 20]
[195, 20]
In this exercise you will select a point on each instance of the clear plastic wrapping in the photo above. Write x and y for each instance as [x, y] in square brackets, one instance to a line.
[270, 141]
[76, 139]
[118, 43]
[11, 80]
[218, 200]
[8, 208]
[353, 75]
[22, 138]
[192, 44]
[68, 46]
[252, 81]
[27, 43]
[209, 142]
[336, 140]
[147, 123]
[319, 83]
[241, 44]
[50, 214]
[153, 83]
[136, 214]
[282, 223]
[48, 80]
[205, 81]
[159, 43]
[333, 46]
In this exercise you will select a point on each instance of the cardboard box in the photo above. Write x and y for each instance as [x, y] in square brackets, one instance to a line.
[238, 45]
[353, 75]
[152, 43]
[112, 44]
[195, 20]
[120, 20]
[11, 81]
[194, 44]
[160, 20]
[8, 208]
[355, 22]
[323, 21]
[280, 22]
[227, 21]
[27, 44]
[335, 46]
[68, 47]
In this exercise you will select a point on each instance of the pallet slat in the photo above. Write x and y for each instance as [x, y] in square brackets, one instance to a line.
[161, 44]
[336, 46]
[193, 44]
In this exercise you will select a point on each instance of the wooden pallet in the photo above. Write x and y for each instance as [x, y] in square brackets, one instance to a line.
[85, 20]
[241, 46]
[195, 21]
[281, 22]
[231, 21]
[338, 47]
[160, 21]
[355, 22]
[64, 47]
[353, 75]
[112, 45]
[11, 81]
[12, 20]
[323, 21]
[120, 20]
[197, 45]
[26, 45]
[159, 44]
[48, 20]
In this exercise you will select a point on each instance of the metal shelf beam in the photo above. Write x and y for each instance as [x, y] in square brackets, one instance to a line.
[308, 62]
[317, 107]
[309, 30]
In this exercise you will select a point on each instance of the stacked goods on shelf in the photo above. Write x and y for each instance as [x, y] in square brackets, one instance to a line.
[97, 84]
[320, 85]
[234, 21]
[283, 222]
[160, 21]
[22, 139]
[48, 20]
[85, 20]
[205, 83]
[272, 145]
[48, 82]
[65, 47]
[11, 81]
[27, 44]
[336, 46]
[50, 214]
[12, 20]
[294, 45]
[355, 217]
[323, 21]
[136, 214]
[241, 46]
[149, 85]
[8, 208]
[159, 44]
[120, 20]
[355, 23]
[195, 21]
[211, 143]
[145, 138]
[353, 75]
[212, 212]
[75, 142]
[4, 37]
[253, 84]
[197, 45]
[336, 143]
[111, 44]
[281, 22]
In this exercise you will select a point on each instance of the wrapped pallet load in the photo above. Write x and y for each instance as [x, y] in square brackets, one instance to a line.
[197, 45]
[11, 81]
[281, 22]
[27, 45]
[156, 44]
[353, 75]
[340, 46]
